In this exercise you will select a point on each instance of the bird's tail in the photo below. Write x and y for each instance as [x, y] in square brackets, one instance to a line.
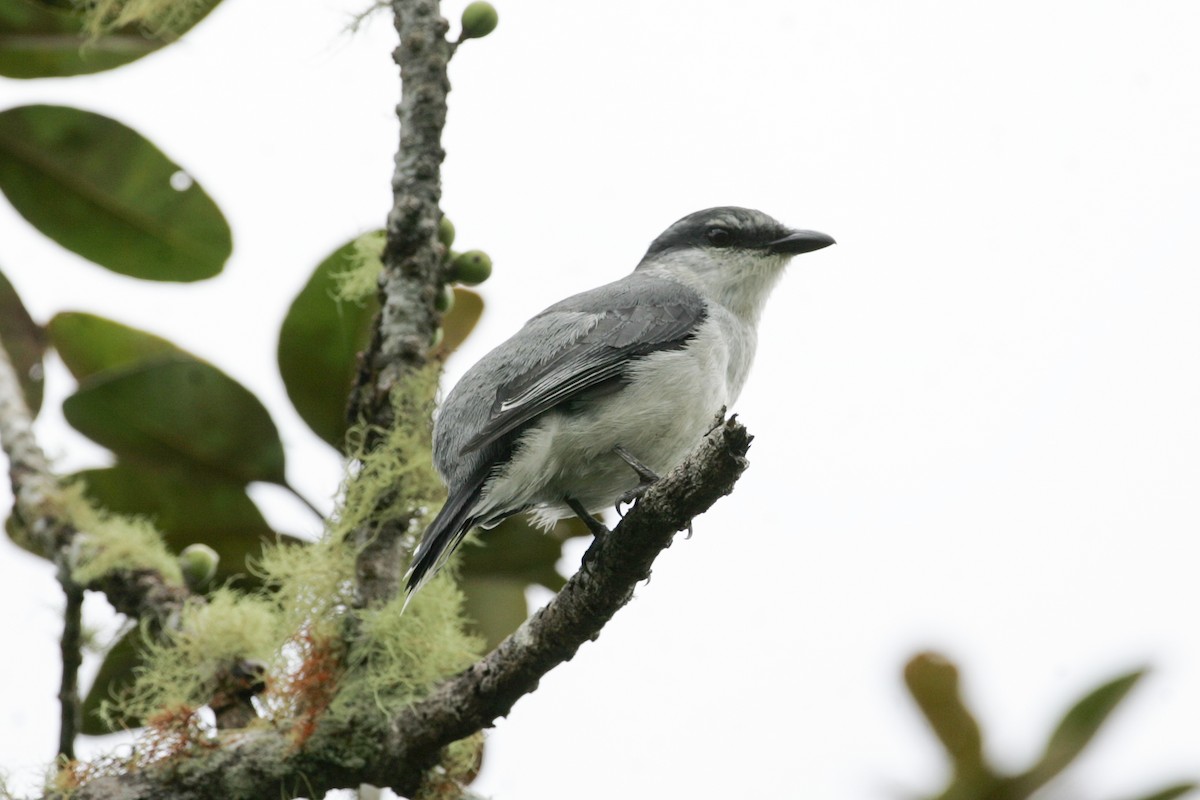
[442, 536]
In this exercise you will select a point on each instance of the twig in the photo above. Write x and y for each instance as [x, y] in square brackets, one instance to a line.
[71, 709]
[143, 594]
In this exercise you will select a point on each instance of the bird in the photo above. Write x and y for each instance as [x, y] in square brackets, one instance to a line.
[602, 392]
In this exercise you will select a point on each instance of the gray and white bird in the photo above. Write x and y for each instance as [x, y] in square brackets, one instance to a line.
[603, 391]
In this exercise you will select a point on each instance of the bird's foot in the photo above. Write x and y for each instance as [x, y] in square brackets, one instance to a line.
[646, 478]
[594, 525]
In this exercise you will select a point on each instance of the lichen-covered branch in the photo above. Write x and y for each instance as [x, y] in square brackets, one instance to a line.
[142, 593]
[412, 261]
[266, 763]
[34, 487]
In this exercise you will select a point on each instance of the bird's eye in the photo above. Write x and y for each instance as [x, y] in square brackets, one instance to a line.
[718, 237]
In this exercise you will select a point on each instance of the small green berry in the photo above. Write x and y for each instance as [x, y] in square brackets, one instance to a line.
[478, 20]
[472, 267]
[198, 563]
[446, 232]
[445, 299]
[438, 336]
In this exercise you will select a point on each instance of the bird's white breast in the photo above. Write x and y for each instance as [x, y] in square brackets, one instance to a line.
[669, 402]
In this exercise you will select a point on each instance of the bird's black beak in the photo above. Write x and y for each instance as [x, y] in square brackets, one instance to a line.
[798, 242]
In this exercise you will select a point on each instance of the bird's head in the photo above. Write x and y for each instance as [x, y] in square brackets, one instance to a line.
[733, 255]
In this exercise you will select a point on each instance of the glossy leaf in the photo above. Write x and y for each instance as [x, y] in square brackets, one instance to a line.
[89, 344]
[178, 413]
[25, 342]
[40, 40]
[496, 606]
[189, 508]
[100, 189]
[318, 348]
[116, 674]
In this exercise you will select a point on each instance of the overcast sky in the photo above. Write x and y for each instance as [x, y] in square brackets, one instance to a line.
[976, 418]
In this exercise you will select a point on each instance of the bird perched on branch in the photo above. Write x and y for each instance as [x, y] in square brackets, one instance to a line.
[602, 392]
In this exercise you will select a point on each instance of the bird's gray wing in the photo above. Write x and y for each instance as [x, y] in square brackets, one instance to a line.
[628, 319]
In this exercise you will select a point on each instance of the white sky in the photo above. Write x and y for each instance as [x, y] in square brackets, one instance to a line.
[976, 417]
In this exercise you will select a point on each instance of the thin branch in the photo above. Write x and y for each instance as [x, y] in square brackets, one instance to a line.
[265, 763]
[412, 263]
[143, 593]
[71, 709]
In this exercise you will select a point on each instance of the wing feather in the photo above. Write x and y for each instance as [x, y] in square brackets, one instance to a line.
[649, 315]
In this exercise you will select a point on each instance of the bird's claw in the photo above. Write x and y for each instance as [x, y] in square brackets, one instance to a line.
[646, 478]
[628, 497]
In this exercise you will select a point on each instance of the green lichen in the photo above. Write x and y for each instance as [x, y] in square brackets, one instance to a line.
[164, 19]
[109, 542]
[400, 652]
[181, 670]
[336, 673]
[359, 281]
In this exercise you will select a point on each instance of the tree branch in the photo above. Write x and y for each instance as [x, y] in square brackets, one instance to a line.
[71, 648]
[412, 261]
[142, 594]
[264, 763]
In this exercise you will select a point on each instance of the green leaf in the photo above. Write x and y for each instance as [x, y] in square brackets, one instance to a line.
[1171, 792]
[932, 681]
[496, 606]
[178, 413]
[117, 671]
[460, 320]
[318, 348]
[89, 344]
[25, 342]
[100, 189]
[1079, 726]
[515, 550]
[39, 40]
[189, 508]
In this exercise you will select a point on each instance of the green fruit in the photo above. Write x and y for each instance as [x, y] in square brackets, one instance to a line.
[445, 299]
[471, 267]
[198, 563]
[478, 20]
[438, 336]
[446, 232]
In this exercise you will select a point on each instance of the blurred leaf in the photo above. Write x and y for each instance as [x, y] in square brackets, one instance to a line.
[460, 320]
[39, 40]
[177, 413]
[495, 605]
[1078, 726]
[89, 344]
[515, 550]
[116, 674]
[100, 189]
[25, 342]
[189, 509]
[1171, 792]
[932, 681]
[319, 344]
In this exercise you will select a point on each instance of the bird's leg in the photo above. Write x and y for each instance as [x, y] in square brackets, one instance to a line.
[646, 477]
[594, 525]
